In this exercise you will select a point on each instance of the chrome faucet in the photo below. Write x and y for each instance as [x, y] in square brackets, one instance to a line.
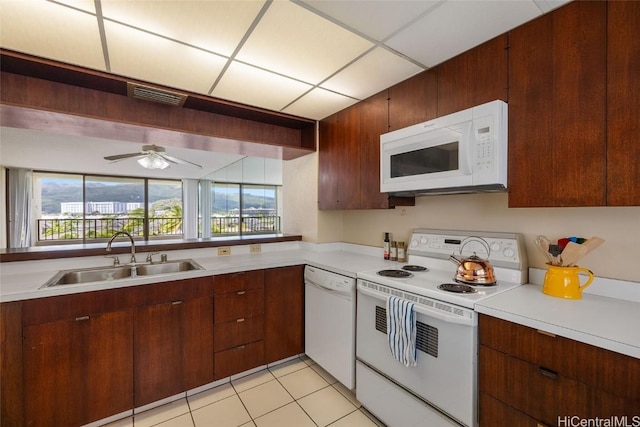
[133, 245]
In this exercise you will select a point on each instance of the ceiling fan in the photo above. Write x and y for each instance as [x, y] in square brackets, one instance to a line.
[152, 157]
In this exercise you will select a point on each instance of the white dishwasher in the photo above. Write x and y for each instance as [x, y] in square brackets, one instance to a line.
[330, 321]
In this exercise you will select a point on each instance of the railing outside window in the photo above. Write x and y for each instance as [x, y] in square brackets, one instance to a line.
[101, 228]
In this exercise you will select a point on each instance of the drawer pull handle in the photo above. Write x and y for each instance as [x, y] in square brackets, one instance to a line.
[549, 334]
[176, 302]
[241, 292]
[240, 347]
[240, 320]
[541, 425]
[81, 318]
[547, 373]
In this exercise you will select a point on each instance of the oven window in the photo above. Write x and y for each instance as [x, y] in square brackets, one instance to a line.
[426, 335]
[441, 158]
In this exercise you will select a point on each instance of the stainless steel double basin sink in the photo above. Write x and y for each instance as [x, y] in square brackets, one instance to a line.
[101, 274]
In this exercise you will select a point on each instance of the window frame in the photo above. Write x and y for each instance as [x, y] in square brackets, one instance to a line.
[146, 237]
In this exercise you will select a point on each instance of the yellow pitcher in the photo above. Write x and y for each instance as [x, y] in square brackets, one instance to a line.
[563, 282]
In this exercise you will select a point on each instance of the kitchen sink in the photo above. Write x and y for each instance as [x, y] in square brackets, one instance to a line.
[103, 274]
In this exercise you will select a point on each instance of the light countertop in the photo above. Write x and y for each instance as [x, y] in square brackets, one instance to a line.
[596, 319]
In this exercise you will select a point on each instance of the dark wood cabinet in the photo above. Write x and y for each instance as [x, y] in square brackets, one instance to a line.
[11, 386]
[78, 370]
[623, 99]
[557, 106]
[339, 160]
[349, 157]
[474, 77]
[284, 313]
[527, 376]
[238, 322]
[414, 100]
[173, 338]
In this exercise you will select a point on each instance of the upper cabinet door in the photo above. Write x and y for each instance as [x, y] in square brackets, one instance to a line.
[474, 77]
[414, 100]
[557, 100]
[623, 99]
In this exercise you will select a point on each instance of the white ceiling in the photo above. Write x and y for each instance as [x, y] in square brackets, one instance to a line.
[309, 58]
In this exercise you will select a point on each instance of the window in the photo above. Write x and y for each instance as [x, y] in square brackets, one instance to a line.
[239, 209]
[84, 208]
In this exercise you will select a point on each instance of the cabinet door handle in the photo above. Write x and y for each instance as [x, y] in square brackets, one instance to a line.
[241, 292]
[541, 425]
[547, 373]
[240, 320]
[549, 334]
[81, 318]
[240, 347]
[176, 302]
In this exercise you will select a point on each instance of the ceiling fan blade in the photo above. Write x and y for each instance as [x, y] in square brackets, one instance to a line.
[178, 161]
[123, 156]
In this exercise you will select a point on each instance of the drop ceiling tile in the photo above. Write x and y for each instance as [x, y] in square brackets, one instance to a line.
[377, 19]
[548, 5]
[140, 55]
[319, 103]
[375, 71]
[293, 41]
[249, 85]
[217, 26]
[51, 31]
[86, 5]
[457, 26]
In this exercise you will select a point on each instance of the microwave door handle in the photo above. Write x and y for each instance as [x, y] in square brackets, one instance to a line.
[421, 309]
[465, 149]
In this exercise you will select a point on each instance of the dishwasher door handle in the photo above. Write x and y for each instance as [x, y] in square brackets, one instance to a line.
[337, 292]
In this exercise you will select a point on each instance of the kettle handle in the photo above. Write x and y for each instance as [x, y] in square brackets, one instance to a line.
[589, 280]
[477, 239]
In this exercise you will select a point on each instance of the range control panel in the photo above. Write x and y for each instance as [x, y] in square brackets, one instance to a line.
[501, 249]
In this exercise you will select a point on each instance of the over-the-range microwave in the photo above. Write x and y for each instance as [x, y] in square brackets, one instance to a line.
[461, 152]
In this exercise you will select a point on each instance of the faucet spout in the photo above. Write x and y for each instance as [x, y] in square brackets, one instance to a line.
[133, 245]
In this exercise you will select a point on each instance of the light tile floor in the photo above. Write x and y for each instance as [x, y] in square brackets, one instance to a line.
[297, 393]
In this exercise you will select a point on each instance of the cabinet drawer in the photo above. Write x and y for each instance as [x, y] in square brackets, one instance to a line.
[609, 371]
[495, 413]
[243, 280]
[236, 332]
[234, 305]
[238, 359]
[544, 394]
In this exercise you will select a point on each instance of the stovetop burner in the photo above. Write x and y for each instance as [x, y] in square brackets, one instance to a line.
[398, 274]
[415, 268]
[456, 288]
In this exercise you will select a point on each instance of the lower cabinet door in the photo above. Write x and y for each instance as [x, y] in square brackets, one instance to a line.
[239, 359]
[78, 371]
[495, 413]
[158, 352]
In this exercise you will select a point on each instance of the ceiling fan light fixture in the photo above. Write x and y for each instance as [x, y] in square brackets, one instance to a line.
[153, 161]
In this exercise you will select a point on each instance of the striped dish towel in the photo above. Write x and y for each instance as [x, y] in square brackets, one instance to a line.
[401, 330]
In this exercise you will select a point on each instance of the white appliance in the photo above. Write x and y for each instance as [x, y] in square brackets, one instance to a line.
[330, 316]
[442, 389]
[457, 153]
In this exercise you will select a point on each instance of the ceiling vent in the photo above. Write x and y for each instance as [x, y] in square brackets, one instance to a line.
[152, 94]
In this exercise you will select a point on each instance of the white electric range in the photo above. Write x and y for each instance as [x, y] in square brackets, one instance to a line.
[442, 389]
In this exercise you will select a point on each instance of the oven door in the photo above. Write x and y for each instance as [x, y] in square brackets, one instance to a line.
[446, 374]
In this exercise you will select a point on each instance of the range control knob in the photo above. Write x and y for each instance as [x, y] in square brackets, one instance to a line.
[495, 246]
[423, 240]
[414, 243]
[509, 253]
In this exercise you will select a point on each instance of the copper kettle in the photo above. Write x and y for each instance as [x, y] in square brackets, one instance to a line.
[474, 270]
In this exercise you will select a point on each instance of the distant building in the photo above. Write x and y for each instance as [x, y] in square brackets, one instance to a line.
[100, 207]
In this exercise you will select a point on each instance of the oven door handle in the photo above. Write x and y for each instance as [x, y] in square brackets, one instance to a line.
[422, 309]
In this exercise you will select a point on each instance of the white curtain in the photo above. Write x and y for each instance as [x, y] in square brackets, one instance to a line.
[19, 208]
[190, 208]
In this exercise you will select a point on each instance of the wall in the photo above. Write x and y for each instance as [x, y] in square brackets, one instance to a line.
[620, 227]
